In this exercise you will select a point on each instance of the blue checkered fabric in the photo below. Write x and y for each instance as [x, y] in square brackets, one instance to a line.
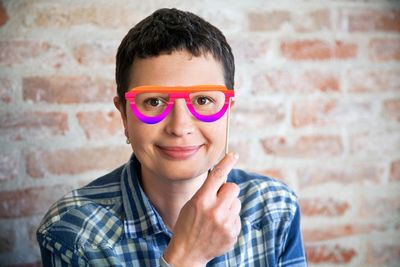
[111, 222]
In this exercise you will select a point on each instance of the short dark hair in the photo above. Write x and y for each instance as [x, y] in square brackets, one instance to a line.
[168, 30]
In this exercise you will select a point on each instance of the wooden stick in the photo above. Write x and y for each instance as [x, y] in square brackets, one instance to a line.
[227, 127]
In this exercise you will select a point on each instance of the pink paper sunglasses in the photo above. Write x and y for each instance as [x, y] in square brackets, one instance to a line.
[151, 104]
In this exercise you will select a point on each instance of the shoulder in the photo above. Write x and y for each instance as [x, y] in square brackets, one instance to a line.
[264, 199]
[82, 215]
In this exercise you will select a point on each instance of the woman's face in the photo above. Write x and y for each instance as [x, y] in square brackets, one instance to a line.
[180, 146]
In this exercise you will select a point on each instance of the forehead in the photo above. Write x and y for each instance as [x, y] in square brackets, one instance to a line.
[179, 68]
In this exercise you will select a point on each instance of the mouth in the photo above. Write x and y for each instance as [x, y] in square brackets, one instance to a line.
[179, 152]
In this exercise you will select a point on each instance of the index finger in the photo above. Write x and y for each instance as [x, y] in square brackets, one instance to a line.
[217, 177]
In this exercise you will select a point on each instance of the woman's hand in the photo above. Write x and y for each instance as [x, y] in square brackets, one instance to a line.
[209, 224]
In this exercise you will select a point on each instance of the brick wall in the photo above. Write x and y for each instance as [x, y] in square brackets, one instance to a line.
[319, 107]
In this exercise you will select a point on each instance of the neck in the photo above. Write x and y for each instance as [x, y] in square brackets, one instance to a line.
[169, 196]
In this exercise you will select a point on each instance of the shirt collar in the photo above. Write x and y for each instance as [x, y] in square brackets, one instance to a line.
[141, 218]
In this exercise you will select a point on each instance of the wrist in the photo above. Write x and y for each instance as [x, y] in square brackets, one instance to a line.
[176, 258]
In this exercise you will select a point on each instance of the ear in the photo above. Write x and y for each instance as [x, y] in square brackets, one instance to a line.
[121, 110]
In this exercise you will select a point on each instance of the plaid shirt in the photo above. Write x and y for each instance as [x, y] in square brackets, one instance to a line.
[111, 222]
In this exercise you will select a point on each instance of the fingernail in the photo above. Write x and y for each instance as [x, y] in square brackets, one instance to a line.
[236, 155]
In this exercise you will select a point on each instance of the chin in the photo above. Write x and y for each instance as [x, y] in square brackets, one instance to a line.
[185, 171]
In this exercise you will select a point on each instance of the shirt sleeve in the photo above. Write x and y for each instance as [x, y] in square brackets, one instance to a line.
[82, 236]
[52, 260]
[293, 253]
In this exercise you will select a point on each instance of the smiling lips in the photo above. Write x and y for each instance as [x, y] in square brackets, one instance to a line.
[179, 152]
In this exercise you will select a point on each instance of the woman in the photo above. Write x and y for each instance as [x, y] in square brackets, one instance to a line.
[177, 201]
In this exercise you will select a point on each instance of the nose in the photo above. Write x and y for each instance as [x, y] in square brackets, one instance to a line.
[179, 120]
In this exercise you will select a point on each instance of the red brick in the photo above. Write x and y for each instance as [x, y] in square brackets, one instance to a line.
[100, 124]
[324, 82]
[317, 50]
[68, 90]
[336, 231]
[96, 53]
[345, 50]
[369, 20]
[299, 21]
[306, 50]
[8, 166]
[392, 109]
[285, 81]
[315, 20]
[384, 49]
[328, 112]
[355, 173]
[7, 238]
[375, 80]
[306, 146]
[323, 207]
[314, 112]
[267, 21]
[333, 254]
[381, 253]
[395, 171]
[34, 166]
[5, 90]
[34, 124]
[31, 201]
[14, 52]
[76, 161]
[3, 15]
[65, 15]
[261, 114]
[249, 49]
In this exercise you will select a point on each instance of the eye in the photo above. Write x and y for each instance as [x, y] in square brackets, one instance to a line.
[203, 100]
[154, 102]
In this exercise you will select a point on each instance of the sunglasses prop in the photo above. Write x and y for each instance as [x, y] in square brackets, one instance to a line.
[207, 103]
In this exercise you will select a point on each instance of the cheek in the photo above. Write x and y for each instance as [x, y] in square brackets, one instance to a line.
[216, 138]
[140, 134]
[216, 133]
